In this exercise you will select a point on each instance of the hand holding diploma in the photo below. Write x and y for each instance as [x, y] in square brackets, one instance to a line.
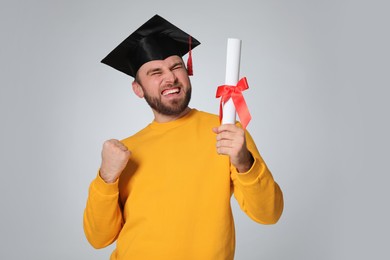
[231, 138]
[231, 141]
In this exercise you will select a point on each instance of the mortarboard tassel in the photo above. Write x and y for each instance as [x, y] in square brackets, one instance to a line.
[189, 60]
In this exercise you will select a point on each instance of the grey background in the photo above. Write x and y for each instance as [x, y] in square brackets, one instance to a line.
[319, 89]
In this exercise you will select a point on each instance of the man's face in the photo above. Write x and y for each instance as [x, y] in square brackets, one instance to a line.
[165, 85]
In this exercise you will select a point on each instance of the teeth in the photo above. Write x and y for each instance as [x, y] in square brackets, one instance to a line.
[170, 91]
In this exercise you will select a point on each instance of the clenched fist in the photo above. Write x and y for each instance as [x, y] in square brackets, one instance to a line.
[115, 156]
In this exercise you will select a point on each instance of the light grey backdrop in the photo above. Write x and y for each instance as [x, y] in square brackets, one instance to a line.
[319, 89]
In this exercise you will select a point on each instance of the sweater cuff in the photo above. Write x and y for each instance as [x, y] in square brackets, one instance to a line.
[252, 174]
[105, 188]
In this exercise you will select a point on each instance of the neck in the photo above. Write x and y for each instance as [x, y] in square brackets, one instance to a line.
[159, 118]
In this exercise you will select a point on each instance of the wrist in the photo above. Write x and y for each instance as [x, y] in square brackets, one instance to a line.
[247, 165]
[107, 178]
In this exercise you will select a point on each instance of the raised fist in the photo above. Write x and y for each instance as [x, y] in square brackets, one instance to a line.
[115, 156]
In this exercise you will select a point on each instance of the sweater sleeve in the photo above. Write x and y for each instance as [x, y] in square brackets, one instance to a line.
[102, 214]
[258, 195]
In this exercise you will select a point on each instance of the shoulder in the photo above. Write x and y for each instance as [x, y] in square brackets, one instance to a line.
[136, 138]
[206, 116]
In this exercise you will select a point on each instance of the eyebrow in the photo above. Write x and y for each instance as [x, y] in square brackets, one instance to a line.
[153, 70]
[177, 63]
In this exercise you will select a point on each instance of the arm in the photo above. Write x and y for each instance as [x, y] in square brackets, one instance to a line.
[102, 215]
[258, 195]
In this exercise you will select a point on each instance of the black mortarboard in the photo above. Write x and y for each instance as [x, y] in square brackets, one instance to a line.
[156, 39]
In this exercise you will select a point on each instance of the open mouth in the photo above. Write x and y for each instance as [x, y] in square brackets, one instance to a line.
[170, 91]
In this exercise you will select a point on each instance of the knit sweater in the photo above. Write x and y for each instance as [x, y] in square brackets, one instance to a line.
[172, 201]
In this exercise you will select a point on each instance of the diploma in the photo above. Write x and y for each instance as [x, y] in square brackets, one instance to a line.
[231, 78]
[231, 96]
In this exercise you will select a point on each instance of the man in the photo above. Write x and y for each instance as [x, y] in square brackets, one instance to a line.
[164, 193]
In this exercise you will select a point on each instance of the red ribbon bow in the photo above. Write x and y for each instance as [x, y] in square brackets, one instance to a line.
[234, 92]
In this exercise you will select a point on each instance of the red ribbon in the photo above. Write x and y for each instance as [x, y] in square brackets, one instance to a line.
[234, 92]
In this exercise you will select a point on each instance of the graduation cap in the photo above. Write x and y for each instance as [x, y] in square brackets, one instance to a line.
[156, 39]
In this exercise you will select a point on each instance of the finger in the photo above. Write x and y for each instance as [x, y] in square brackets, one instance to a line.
[127, 154]
[223, 150]
[227, 127]
[231, 135]
[225, 144]
[123, 147]
[112, 143]
[120, 145]
[225, 135]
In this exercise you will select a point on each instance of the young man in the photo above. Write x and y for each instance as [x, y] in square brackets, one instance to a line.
[164, 193]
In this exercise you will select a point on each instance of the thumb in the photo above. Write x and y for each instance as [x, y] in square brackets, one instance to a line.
[128, 153]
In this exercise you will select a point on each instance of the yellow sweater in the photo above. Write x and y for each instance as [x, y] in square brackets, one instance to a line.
[173, 199]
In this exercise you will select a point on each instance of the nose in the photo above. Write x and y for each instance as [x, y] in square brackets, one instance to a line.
[170, 77]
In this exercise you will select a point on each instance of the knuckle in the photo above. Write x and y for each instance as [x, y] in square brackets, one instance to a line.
[109, 143]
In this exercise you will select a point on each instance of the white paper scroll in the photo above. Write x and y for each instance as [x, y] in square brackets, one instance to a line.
[232, 77]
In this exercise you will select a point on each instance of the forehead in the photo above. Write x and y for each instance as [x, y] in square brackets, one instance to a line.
[160, 63]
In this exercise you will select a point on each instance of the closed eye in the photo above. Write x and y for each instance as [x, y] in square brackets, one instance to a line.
[178, 65]
[154, 72]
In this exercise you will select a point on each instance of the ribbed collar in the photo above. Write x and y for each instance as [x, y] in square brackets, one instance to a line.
[175, 123]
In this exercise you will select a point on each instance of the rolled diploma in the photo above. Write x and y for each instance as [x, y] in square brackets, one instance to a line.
[231, 78]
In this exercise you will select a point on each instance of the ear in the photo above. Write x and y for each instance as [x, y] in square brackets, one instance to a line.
[137, 88]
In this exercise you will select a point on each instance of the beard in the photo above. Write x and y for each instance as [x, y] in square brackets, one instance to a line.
[175, 107]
